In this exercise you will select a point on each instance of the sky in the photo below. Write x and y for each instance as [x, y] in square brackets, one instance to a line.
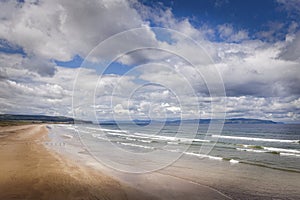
[118, 59]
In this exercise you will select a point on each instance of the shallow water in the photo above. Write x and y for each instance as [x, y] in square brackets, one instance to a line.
[268, 145]
[253, 159]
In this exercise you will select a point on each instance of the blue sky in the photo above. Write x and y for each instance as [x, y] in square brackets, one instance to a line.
[254, 16]
[253, 45]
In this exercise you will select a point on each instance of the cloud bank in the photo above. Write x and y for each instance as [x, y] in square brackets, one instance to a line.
[261, 76]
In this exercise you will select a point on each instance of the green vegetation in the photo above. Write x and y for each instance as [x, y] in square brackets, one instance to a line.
[15, 123]
[274, 152]
[256, 147]
[227, 159]
[14, 120]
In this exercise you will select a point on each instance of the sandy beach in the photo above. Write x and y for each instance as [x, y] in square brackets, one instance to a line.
[30, 171]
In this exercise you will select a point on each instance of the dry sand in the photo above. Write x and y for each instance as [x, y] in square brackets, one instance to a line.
[30, 171]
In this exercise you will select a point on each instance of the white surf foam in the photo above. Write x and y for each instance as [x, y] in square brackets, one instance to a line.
[203, 156]
[68, 136]
[130, 139]
[268, 149]
[252, 150]
[282, 150]
[107, 130]
[135, 145]
[170, 138]
[232, 161]
[289, 154]
[254, 139]
[145, 141]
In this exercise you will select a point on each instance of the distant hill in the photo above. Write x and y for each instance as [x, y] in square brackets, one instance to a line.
[200, 121]
[135, 121]
[227, 121]
[250, 121]
[69, 120]
[40, 118]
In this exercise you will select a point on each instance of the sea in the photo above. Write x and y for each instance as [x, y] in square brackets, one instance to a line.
[145, 148]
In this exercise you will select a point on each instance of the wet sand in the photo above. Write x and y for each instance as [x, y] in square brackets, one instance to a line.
[189, 177]
[30, 171]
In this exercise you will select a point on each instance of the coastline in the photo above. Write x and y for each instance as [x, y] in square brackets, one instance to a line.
[190, 177]
[31, 171]
[43, 162]
[160, 185]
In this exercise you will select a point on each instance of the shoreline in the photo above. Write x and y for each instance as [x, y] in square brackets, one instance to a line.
[41, 162]
[31, 171]
[162, 186]
[230, 180]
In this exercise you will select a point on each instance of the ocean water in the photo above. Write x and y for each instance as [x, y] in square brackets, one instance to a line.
[133, 148]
